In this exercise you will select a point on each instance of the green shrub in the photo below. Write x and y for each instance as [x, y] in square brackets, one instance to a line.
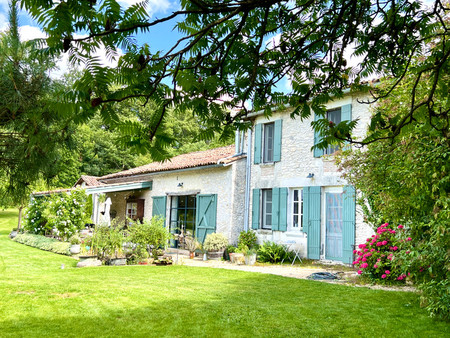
[215, 242]
[107, 242]
[43, 243]
[149, 236]
[66, 212]
[34, 221]
[271, 252]
[247, 238]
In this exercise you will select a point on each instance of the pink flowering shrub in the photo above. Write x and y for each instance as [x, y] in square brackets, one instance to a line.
[380, 258]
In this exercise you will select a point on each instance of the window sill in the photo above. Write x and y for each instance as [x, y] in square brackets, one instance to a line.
[266, 164]
[264, 231]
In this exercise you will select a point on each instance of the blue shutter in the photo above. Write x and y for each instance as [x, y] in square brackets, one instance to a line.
[346, 112]
[255, 208]
[283, 209]
[348, 231]
[317, 139]
[159, 206]
[277, 141]
[311, 217]
[205, 217]
[275, 209]
[258, 140]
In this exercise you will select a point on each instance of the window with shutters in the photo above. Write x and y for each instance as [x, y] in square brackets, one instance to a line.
[266, 210]
[297, 209]
[334, 116]
[268, 142]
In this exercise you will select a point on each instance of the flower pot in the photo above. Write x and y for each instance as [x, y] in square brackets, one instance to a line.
[75, 249]
[205, 257]
[191, 255]
[250, 259]
[237, 258]
[215, 254]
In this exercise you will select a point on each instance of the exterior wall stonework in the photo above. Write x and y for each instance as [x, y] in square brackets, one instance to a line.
[297, 161]
[228, 182]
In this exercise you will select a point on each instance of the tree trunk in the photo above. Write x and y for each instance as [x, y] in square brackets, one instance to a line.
[19, 222]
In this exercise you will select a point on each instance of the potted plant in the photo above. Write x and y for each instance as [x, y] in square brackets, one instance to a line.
[75, 247]
[191, 244]
[249, 255]
[203, 251]
[215, 245]
[114, 247]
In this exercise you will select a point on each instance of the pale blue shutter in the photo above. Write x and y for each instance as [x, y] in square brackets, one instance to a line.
[311, 200]
[275, 208]
[346, 115]
[159, 206]
[283, 209]
[277, 141]
[205, 216]
[348, 231]
[317, 139]
[346, 112]
[255, 208]
[258, 140]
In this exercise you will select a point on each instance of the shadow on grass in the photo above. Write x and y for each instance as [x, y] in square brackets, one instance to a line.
[200, 302]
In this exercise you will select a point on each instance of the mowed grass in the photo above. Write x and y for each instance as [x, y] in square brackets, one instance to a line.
[38, 298]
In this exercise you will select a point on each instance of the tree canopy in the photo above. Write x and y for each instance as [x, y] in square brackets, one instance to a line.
[236, 52]
[31, 126]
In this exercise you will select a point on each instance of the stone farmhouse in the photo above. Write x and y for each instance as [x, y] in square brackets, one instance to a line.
[270, 181]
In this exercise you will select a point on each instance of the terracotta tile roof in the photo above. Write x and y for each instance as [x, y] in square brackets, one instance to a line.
[190, 160]
[91, 181]
[49, 192]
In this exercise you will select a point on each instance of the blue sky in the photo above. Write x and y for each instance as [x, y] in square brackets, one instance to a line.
[160, 37]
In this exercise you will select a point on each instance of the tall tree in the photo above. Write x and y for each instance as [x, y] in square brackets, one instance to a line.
[31, 128]
[235, 52]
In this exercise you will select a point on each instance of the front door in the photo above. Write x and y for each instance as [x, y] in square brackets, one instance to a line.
[182, 215]
[333, 226]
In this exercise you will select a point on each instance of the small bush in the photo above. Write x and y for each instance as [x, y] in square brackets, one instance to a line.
[215, 242]
[44, 243]
[149, 236]
[379, 259]
[247, 238]
[271, 252]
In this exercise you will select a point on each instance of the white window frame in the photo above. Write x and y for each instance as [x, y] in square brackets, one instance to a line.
[267, 143]
[266, 211]
[133, 207]
[300, 210]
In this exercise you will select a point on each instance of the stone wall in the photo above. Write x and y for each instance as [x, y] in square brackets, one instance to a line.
[297, 161]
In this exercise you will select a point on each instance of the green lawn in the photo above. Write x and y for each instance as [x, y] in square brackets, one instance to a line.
[38, 298]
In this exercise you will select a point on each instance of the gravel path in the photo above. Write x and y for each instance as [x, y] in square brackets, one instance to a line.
[347, 277]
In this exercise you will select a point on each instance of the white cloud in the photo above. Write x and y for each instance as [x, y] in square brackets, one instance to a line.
[30, 32]
[153, 7]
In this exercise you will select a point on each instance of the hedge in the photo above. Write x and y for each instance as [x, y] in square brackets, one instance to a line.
[44, 243]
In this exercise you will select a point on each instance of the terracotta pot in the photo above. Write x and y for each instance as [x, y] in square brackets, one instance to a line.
[191, 255]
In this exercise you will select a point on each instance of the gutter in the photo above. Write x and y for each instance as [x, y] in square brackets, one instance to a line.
[248, 171]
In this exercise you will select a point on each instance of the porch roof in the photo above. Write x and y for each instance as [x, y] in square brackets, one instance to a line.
[119, 187]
